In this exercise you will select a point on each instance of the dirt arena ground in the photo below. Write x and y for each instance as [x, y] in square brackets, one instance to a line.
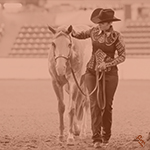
[29, 118]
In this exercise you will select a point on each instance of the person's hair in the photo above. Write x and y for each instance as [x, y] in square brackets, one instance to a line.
[107, 22]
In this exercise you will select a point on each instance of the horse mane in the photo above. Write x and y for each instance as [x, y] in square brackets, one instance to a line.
[62, 28]
[61, 33]
[77, 27]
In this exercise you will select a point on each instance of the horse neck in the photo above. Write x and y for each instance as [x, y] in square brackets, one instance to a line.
[78, 46]
[76, 53]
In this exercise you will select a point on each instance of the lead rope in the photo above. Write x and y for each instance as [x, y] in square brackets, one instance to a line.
[96, 86]
[101, 101]
[102, 76]
[104, 96]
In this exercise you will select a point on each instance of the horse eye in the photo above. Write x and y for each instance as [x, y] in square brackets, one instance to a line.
[53, 44]
[69, 45]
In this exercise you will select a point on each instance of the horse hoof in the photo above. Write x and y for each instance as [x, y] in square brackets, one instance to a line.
[70, 142]
[77, 133]
[61, 137]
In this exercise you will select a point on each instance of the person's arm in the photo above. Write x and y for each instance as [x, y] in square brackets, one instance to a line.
[82, 34]
[120, 47]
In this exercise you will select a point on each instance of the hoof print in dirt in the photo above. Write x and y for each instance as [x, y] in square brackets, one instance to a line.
[76, 133]
[70, 142]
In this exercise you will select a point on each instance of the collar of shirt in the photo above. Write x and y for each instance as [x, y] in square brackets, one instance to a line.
[107, 32]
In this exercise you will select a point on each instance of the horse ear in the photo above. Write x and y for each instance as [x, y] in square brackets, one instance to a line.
[70, 28]
[51, 29]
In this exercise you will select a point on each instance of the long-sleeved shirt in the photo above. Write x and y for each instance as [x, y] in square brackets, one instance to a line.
[104, 45]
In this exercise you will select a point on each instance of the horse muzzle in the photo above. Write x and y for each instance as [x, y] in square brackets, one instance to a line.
[61, 69]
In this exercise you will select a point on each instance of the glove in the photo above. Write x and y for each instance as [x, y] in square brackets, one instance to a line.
[102, 66]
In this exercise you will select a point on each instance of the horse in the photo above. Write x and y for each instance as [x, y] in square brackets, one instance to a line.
[66, 63]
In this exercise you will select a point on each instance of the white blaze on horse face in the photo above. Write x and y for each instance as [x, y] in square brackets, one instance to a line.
[62, 52]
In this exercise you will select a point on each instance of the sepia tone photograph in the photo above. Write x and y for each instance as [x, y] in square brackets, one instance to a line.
[74, 74]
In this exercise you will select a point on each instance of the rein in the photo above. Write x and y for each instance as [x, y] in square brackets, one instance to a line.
[98, 78]
[101, 102]
[75, 79]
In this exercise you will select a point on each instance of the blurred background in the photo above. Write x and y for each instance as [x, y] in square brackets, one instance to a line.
[28, 105]
[24, 37]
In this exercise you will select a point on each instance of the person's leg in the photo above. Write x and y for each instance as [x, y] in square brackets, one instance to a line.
[110, 87]
[90, 81]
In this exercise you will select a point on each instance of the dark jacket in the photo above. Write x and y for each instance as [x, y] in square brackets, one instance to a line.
[104, 47]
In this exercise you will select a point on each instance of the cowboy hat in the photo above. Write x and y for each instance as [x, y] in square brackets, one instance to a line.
[101, 15]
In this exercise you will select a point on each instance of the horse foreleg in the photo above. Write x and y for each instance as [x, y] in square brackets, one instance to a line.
[70, 139]
[76, 126]
[84, 123]
[85, 115]
[71, 114]
[61, 106]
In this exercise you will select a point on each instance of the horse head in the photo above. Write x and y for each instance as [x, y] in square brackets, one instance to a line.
[62, 47]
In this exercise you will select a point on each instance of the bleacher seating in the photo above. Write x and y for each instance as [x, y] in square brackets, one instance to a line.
[32, 41]
[137, 38]
[2, 28]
